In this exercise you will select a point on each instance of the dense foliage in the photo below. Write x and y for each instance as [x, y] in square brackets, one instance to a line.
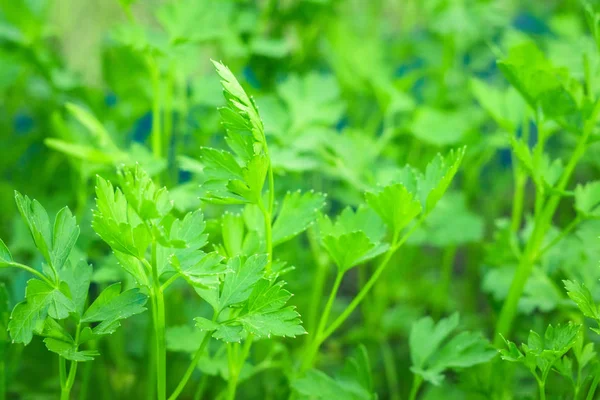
[317, 199]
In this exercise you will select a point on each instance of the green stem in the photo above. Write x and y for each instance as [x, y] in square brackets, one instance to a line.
[542, 222]
[159, 330]
[34, 272]
[3, 372]
[201, 387]
[317, 338]
[318, 283]
[62, 370]
[365, 289]
[169, 281]
[593, 386]
[193, 365]
[542, 389]
[236, 368]
[157, 140]
[572, 225]
[446, 275]
[417, 382]
[391, 373]
[65, 393]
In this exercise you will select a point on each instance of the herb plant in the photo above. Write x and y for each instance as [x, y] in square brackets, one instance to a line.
[362, 199]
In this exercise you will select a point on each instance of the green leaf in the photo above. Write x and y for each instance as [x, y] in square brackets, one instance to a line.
[352, 249]
[77, 276]
[396, 206]
[353, 383]
[587, 199]
[133, 266]
[232, 230]
[219, 164]
[5, 256]
[198, 268]
[242, 113]
[506, 107]
[540, 83]
[433, 350]
[542, 353]
[581, 295]
[298, 211]
[111, 306]
[64, 237]
[237, 286]
[41, 299]
[148, 201]
[206, 325]
[312, 100]
[115, 224]
[265, 314]
[69, 350]
[354, 238]
[438, 177]
[36, 219]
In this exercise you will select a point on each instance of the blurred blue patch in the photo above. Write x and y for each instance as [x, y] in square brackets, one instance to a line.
[184, 176]
[110, 99]
[414, 64]
[142, 128]
[531, 24]
[23, 123]
[250, 77]
[342, 123]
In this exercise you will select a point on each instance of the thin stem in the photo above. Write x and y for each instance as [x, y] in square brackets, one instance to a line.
[159, 330]
[543, 218]
[201, 387]
[317, 338]
[446, 275]
[169, 281]
[2, 372]
[391, 374]
[318, 283]
[365, 289]
[236, 368]
[62, 370]
[34, 272]
[157, 140]
[65, 393]
[417, 382]
[572, 225]
[193, 365]
[593, 386]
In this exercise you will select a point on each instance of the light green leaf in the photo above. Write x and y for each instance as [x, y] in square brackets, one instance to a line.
[148, 201]
[433, 350]
[114, 223]
[396, 206]
[64, 237]
[41, 299]
[352, 249]
[587, 199]
[77, 276]
[112, 306]
[5, 257]
[298, 211]
[69, 350]
[238, 284]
